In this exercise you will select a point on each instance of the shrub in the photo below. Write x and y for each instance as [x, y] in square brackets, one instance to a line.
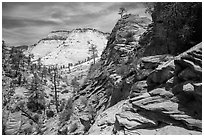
[35, 107]
[36, 117]
[36, 101]
[75, 83]
[65, 115]
[27, 131]
[122, 70]
[130, 36]
[49, 113]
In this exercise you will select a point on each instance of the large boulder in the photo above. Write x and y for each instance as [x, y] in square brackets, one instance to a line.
[161, 74]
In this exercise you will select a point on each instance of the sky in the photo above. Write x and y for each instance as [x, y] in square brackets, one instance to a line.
[26, 23]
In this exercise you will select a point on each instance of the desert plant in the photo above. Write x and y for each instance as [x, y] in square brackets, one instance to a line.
[65, 115]
[36, 117]
[50, 113]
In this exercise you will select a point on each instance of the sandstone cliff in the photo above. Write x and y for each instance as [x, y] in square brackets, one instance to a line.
[126, 94]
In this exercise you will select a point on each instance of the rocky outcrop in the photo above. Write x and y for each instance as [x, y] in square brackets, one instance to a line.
[107, 84]
[111, 81]
[56, 35]
[173, 105]
[126, 94]
[115, 60]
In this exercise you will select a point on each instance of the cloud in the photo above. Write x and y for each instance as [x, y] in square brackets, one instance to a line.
[25, 35]
[28, 22]
[16, 22]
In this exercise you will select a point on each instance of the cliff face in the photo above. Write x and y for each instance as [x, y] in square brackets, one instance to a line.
[115, 63]
[111, 78]
[175, 28]
[125, 94]
[123, 40]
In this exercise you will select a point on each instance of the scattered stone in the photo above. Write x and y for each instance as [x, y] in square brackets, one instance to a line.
[188, 88]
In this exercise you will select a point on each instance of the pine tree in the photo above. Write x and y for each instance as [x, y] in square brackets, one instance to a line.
[94, 52]
[55, 83]
[122, 11]
[36, 100]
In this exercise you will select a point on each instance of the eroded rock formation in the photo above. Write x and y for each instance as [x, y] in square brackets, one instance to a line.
[151, 95]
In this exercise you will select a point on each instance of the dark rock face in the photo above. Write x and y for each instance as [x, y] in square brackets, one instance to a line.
[127, 94]
[164, 38]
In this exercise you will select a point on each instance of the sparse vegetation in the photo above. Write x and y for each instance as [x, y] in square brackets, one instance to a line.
[94, 52]
[93, 70]
[175, 28]
[130, 37]
[49, 113]
[65, 115]
[66, 111]
[112, 92]
[75, 84]
[55, 83]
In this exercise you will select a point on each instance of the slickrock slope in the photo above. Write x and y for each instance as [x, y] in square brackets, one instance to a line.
[126, 94]
[63, 47]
